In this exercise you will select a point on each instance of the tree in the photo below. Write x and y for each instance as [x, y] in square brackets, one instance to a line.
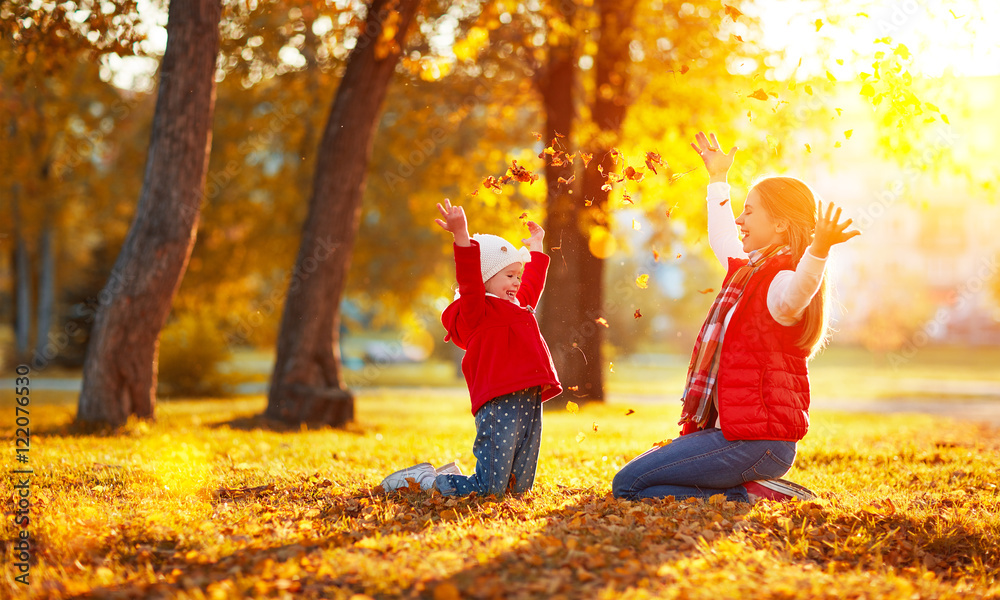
[307, 384]
[119, 376]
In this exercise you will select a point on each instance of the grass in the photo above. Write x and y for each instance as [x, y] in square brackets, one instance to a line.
[206, 502]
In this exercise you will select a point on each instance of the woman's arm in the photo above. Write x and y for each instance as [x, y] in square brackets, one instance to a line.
[723, 236]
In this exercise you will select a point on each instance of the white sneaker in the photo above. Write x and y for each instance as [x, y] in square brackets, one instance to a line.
[424, 474]
[451, 468]
[778, 489]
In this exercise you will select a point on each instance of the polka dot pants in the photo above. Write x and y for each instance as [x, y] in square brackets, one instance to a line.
[508, 434]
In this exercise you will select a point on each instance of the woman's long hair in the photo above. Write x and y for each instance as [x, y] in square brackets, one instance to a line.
[791, 200]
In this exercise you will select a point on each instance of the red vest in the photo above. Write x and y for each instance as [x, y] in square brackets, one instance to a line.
[763, 384]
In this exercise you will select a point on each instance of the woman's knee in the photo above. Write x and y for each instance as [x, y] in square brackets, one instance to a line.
[621, 486]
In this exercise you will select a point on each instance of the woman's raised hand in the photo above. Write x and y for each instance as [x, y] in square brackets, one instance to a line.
[454, 222]
[829, 230]
[716, 161]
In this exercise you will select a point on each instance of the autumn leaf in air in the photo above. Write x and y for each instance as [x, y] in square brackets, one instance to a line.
[759, 94]
[636, 225]
[819, 24]
[656, 256]
[732, 12]
[595, 426]
[580, 437]
[572, 407]
[606, 187]
[520, 173]
[706, 291]
[629, 412]
[601, 321]
[653, 159]
[637, 314]
[611, 367]
[738, 38]
[809, 148]
[586, 156]
[632, 174]
[685, 69]
[642, 281]
[571, 179]
[848, 133]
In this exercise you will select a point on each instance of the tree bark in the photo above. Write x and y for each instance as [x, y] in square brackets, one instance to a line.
[307, 385]
[119, 372]
[22, 270]
[563, 323]
[46, 293]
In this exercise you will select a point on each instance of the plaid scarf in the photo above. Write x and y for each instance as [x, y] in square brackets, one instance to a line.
[704, 368]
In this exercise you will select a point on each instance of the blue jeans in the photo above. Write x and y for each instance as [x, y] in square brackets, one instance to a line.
[701, 465]
[508, 434]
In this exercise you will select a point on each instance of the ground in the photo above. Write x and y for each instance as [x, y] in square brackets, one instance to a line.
[210, 502]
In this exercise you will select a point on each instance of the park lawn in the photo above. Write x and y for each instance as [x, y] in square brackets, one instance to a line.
[209, 503]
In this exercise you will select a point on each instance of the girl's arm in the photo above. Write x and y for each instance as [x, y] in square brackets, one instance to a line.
[723, 236]
[467, 267]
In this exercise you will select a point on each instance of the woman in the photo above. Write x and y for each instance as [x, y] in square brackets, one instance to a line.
[746, 401]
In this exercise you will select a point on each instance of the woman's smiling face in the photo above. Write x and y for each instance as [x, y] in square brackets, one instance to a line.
[757, 227]
[506, 283]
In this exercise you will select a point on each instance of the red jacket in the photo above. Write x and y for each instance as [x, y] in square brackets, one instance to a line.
[504, 348]
[763, 383]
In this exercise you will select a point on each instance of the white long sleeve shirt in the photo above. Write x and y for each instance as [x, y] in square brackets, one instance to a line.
[790, 291]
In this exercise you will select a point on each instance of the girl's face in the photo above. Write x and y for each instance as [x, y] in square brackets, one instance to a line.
[505, 283]
[757, 227]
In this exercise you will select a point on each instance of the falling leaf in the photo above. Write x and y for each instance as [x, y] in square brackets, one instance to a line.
[661, 443]
[537, 135]
[637, 314]
[656, 256]
[840, 111]
[571, 179]
[634, 175]
[580, 437]
[636, 225]
[626, 198]
[819, 24]
[738, 38]
[572, 407]
[629, 412]
[724, 202]
[601, 321]
[809, 148]
[523, 216]
[836, 145]
[902, 51]
[830, 76]
[944, 118]
[732, 12]
[642, 281]
[573, 388]
[520, 173]
[848, 133]
[808, 89]
[587, 201]
[611, 366]
[586, 156]
[475, 192]
[867, 90]
[759, 94]
[595, 426]
[706, 291]
[606, 187]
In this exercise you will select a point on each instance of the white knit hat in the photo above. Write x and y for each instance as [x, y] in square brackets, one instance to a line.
[496, 254]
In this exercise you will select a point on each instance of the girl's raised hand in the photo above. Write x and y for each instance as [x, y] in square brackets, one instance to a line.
[829, 230]
[454, 222]
[716, 161]
[537, 234]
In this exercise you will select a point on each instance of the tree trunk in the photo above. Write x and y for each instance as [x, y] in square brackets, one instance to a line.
[571, 341]
[608, 113]
[119, 372]
[22, 269]
[307, 385]
[46, 296]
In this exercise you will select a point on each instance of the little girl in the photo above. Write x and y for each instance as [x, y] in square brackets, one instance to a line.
[746, 401]
[507, 365]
